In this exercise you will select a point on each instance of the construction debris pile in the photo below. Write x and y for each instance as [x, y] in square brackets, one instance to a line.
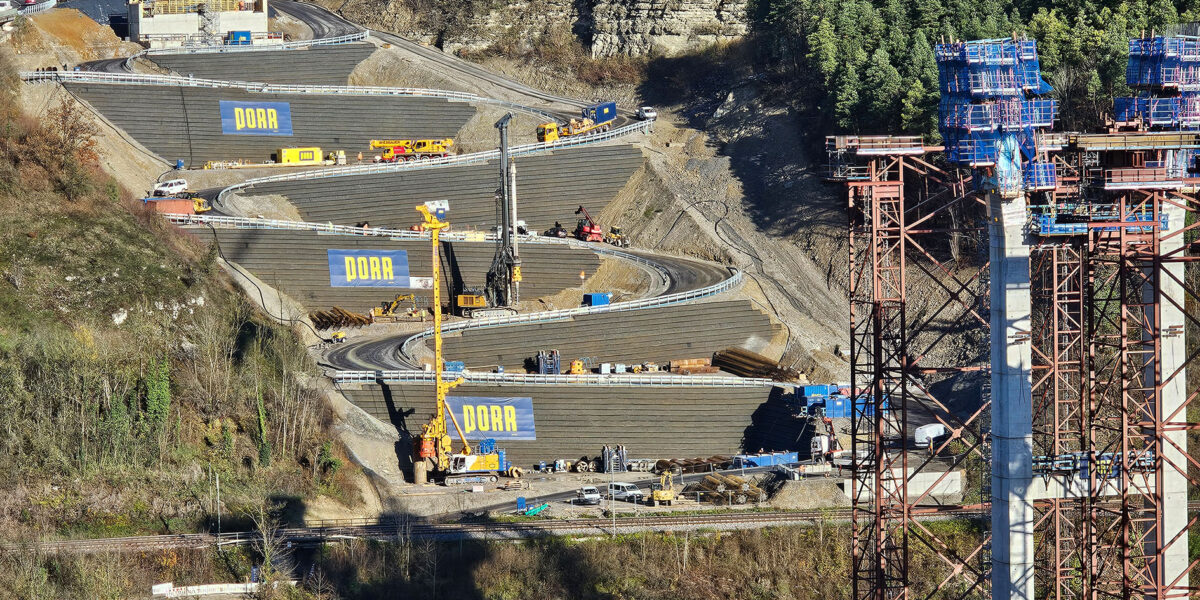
[745, 363]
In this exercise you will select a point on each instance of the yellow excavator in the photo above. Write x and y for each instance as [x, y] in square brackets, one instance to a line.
[434, 452]
[387, 312]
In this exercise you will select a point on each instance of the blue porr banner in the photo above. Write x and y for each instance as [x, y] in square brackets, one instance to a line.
[498, 418]
[256, 118]
[368, 268]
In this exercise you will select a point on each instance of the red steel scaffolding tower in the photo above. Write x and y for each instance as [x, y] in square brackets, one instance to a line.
[906, 219]
[1110, 301]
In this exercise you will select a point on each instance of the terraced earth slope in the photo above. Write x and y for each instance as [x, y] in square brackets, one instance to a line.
[656, 335]
[296, 263]
[185, 122]
[317, 65]
[549, 188]
[574, 421]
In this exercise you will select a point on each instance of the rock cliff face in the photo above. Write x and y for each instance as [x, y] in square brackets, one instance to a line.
[606, 27]
[638, 27]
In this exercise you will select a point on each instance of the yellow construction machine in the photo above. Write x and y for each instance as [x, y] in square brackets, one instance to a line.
[577, 368]
[434, 452]
[664, 492]
[394, 150]
[388, 312]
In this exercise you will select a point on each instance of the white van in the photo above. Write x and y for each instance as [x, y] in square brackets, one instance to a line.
[625, 491]
[929, 436]
[170, 188]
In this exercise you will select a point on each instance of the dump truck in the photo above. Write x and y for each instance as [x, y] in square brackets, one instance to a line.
[597, 117]
[398, 150]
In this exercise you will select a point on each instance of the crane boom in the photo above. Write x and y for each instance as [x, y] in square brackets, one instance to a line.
[435, 440]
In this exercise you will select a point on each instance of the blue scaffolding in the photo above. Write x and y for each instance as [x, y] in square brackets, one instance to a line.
[1165, 72]
[989, 112]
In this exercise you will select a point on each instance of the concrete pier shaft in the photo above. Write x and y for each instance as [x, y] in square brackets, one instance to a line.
[1012, 402]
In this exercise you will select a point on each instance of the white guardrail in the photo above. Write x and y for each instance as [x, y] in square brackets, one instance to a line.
[344, 377]
[292, 45]
[225, 222]
[34, 9]
[735, 280]
[459, 159]
[267, 88]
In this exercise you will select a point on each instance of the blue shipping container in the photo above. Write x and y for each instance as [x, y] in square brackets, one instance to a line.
[818, 390]
[454, 366]
[597, 299]
[768, 459]
[239, 38]
[838, 407]
[602, 112]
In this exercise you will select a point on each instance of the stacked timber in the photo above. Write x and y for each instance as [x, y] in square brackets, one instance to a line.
[337, 317]
[745, 363]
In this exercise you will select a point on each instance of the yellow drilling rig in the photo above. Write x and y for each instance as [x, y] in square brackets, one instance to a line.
[434, 453]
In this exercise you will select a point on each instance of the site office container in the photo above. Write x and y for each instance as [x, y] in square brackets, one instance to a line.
[300, 156]
[597, 299]
[601, 113]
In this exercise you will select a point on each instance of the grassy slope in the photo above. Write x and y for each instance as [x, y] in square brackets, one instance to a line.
[130, 369]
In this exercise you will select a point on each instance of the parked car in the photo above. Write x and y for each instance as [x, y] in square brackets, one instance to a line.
[587, 495]
[626, 491]
[647, 113]
[170, 188]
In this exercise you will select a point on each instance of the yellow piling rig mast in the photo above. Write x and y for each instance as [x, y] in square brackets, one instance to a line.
[435, 445]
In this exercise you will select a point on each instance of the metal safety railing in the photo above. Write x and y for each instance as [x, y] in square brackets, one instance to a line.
[40, 7]
[732, 282]
[268, 88]
[618, 379]
[293, 45]
[460, 159]
[225, 222]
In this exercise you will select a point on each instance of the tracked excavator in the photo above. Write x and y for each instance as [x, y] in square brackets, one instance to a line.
[433, 454]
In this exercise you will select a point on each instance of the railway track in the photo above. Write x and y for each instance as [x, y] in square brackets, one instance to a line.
[416, 529]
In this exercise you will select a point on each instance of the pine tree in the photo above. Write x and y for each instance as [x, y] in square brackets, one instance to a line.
[922, 65]
[881, 87]
[845, 104]
[823, 52]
